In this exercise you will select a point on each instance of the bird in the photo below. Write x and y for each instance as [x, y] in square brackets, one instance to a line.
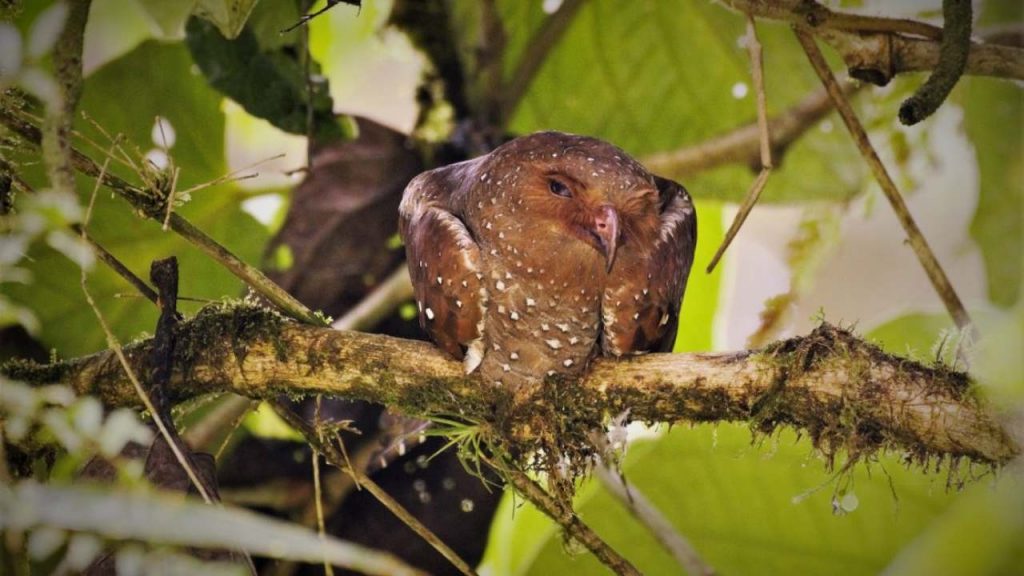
[547, 252]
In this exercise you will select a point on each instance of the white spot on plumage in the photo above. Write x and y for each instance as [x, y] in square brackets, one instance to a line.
[458, 303]
[505, 367]
[474, 356]
[514, 356]
[429, 313]
[664, 319]
[439, 280]
[514, 315]
[567, 362]
[544, 326]
[499, 285]
[573, 340]
[563, 327]
[554, 343]
[531, 302]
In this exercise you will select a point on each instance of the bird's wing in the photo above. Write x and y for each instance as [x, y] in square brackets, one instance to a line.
[640, 306]
[444, 262]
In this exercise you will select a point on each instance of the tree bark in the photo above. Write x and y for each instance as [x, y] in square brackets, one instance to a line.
[844, 393]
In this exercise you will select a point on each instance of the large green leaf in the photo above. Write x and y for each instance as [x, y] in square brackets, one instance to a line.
[125, 97]
[993, 116]
[991, 107]
[159, 518]
[261, 70]
[746, 508]
[659, 75]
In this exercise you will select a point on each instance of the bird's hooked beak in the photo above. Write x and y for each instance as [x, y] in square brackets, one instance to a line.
[606, 228]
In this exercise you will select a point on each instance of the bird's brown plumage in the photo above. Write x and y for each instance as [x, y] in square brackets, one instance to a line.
[551, 249]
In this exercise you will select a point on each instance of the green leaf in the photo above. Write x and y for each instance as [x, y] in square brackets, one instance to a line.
[228, 15]
[990, 106]
[659, 75]
[160, 518]
[982, 534]
[915, 335]
[751, 509]
[125, 97]
[267, 80]
[168, 15]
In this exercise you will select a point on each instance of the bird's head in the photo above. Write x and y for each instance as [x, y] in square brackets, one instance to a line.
[566, 188]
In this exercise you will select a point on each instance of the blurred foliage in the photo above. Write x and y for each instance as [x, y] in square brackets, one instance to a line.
[123, 98]
[762, 507]
[263, 69]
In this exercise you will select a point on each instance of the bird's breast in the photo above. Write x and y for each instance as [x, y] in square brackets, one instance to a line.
[543, 313]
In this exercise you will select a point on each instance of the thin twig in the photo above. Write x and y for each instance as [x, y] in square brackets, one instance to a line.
[335, 457]
[916, 239]
[742, 145]
[330, 4]
[171, 193]
[535, 54]
[765, 140]
[815, 16]
[564, 516]
[956, 44]
[250, 275]
[318, 498]
[651, 518]
[875, 49]
[116, 265]
[116, 347]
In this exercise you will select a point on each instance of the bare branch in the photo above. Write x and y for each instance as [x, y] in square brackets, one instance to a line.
[764, 141]
[843, 392]
[876, 49]
[815, 16]
[566, 517]
[336, 457]
[742, 145]
[916, 239]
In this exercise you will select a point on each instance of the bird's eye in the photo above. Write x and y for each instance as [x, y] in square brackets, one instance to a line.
[558, 189]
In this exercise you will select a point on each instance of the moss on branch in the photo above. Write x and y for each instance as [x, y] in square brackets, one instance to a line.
[846, 394]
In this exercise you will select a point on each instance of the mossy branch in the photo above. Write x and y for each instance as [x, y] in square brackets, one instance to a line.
[844, 393]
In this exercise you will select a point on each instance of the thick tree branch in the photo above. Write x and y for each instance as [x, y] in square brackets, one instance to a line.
[843, 392]
[876, 49]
